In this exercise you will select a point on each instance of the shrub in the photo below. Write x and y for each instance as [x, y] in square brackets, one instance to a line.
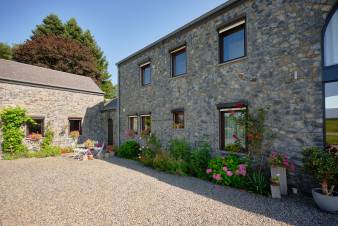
[235, 147]
[45, 152]
[258, 183]
[11, 121]
[148, 152]
[231, 171]
[199, 159]
[323, 166]
[48, 140]
[179, 149]
[130, 150]
[164, 162]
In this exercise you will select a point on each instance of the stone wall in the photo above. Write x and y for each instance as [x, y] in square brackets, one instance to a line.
[283, 40]
[56, 106]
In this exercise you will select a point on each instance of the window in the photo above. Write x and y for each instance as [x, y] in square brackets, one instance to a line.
[145, 74]
[331, 41]
[179, 61]
[146, 123]
[133, 124]
[331, 113]
[230, 131]
[38, 127]
[232, 41]
[178, 117]
[330, 77]
[75, 125]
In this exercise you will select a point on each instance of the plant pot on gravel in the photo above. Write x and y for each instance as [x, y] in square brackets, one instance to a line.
[275, 187]
[323, 166]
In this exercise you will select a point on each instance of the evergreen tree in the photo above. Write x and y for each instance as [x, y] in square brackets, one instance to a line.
[50, 25]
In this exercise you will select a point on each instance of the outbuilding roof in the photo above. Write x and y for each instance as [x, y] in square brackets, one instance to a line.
[11, 71]
[186, 26]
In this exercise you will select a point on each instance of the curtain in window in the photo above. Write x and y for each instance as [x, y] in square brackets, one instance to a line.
[331, 41]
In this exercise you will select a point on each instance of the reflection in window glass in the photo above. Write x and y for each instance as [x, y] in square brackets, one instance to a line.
[331, 113]
[233, 45]
[232, 130]
[179, 62]
[146, 75]
[331, 41]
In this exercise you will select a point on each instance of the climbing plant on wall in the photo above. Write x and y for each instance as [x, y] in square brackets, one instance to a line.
[12, 120]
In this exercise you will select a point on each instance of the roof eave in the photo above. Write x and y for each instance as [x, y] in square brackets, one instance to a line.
[200, 18]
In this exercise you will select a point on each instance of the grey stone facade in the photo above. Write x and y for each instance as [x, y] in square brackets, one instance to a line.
[56, 106]
[282, 70]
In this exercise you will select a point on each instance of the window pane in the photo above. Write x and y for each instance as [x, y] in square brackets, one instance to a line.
[146, 123]
[178, 120]
[233, 45]
[146, 75]
[331, 41]
[133, 124]
[75, 125]
[35, 128]
[180, 64]
[232, 129]
[331, 113]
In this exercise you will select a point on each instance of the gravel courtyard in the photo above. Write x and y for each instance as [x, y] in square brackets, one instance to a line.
[63, 191]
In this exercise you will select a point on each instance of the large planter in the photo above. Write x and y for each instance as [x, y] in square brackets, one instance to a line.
[325, 202]
[275, 191]
[282, 178]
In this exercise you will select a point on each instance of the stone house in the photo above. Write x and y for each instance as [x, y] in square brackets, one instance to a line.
[62, 101]
[280, 55]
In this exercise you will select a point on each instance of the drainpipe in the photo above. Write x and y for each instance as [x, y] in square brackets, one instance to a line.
[118, 105]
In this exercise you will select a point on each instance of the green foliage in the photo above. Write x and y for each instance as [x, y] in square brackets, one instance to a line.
[48, 139]
[258, 183]
[179, 149]
[323, 166]
[164, 162]
[130, 150]
[149, 150]
[5, 51]
[45, 152]
[12, 119]
[52, 25]
[235, 147]
[199, 159]
[230, 170]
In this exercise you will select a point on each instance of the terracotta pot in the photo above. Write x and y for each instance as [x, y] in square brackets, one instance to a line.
[275, 191]
[90, 157]
[282, 178]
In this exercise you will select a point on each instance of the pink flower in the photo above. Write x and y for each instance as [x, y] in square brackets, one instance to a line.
[242, 169]
[217, 176]
[225, 168]
[235, 136]
[229, 173]
[209, 171]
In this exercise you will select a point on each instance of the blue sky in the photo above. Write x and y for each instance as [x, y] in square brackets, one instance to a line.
[120, 27]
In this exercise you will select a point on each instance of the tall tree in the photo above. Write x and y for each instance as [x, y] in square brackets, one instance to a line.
[5, 51]
[58, 53]
[53, 25]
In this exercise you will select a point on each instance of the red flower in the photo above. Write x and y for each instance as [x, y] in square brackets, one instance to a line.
[250, 137]
[239, 105]
[235, 136]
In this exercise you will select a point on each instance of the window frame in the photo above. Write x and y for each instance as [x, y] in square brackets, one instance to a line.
[232, 30]
[176, 112]
[75, 119]
[42, 125]
[129, 123]
[329, 73]
[142, 122]
[142, 68]
[173, 54]
[223, 108]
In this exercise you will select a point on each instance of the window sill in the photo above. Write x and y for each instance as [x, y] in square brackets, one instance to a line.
[224, 153]
[238, 60]
[145, 86]
[184, 75]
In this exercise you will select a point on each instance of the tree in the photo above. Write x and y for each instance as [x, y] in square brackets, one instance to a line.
[58, 53]
[71, 30]
[5, 51]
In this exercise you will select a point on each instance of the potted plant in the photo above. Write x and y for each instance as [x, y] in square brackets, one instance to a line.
[74, 135]
[275, 187]
[89, 155]
[89, 144]
[323, 166]
[279, 164]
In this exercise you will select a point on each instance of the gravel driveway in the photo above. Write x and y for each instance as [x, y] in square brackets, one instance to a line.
[63, 191]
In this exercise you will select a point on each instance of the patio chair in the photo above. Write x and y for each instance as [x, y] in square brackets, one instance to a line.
[99, 150]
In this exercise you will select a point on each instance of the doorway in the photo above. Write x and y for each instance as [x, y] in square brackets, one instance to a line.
[110, 132]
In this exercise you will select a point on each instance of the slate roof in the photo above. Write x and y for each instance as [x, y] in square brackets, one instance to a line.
[110, 105]
[186, 26]
[11, 71]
